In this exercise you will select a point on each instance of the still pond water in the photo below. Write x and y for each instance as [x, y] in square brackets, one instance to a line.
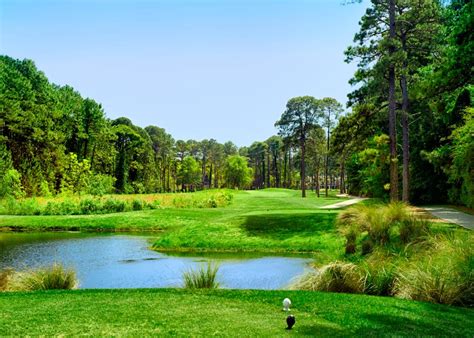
[125, 261]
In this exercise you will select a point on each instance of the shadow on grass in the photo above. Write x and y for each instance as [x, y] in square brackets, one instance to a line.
[276, 225]
[383, 324]
[321, 330]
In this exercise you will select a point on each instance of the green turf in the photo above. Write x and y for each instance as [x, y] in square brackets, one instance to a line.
[271, 220]
[223, 313]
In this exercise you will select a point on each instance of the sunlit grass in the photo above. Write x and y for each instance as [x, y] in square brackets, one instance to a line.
[220, 312]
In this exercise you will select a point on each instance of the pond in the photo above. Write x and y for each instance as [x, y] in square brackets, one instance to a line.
[126, 261]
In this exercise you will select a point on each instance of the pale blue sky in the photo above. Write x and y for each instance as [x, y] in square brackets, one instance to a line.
[220, 69]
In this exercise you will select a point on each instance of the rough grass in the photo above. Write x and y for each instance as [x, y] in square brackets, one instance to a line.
[203, 278]
[237, 313]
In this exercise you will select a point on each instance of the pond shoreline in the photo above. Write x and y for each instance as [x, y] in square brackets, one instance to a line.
[113, 260]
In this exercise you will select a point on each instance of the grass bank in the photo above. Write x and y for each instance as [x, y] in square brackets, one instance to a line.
[271, 220]
[223, 313]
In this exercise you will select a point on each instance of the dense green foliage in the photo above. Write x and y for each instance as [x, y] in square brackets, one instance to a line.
[433, 62]
[53, 141]
[181, 312]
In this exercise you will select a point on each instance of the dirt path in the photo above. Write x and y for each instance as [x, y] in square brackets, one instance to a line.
[343, 203]
[452, 216]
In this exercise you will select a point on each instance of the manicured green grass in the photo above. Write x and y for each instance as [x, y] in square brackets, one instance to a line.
[271, 220]
[223, 313]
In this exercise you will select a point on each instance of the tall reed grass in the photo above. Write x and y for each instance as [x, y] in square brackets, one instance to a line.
[443, 275]
[203, 278]
[49, 278]
[380, 223]
[335, 277]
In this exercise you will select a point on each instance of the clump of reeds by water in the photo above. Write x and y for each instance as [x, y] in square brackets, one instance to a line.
[55, 277]
[203, 278]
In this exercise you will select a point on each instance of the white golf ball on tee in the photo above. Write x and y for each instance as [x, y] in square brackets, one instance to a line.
[286, 304]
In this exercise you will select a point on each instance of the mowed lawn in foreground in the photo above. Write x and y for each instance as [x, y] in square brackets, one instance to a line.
[271, 220]
[224, 313]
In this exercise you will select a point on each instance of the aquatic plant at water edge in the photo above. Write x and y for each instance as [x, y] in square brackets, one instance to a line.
[203, 278]
[55, 277]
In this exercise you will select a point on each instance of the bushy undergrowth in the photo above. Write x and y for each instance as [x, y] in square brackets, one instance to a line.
[93, 205]
[55, 277]
[203, 278]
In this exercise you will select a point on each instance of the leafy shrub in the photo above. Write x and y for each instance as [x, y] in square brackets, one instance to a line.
[89, 206]
[137, 204]
[10, 184]
[203, 278]
[50, 278]
[334, 277]
[65, 207]
[445, 275]
[100, 185]
[114, 205]
[44, 189]
[12, 206]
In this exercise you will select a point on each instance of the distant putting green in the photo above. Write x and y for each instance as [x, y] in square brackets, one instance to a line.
[172, 312]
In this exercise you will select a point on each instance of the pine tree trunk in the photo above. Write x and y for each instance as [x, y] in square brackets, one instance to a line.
[303, 169]
[268, 171]
[392, 113]
[318, 188]
[405, 131]
[326, 169]
[210, 176]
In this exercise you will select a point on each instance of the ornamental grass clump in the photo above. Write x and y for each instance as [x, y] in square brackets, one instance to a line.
[379, 274]
[444, 275]
[335, 277]
[55, 277]
[203, 278]
[378, 224]
[412, 229]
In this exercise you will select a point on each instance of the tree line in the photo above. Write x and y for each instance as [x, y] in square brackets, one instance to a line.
[412, 109]
[52, 140]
